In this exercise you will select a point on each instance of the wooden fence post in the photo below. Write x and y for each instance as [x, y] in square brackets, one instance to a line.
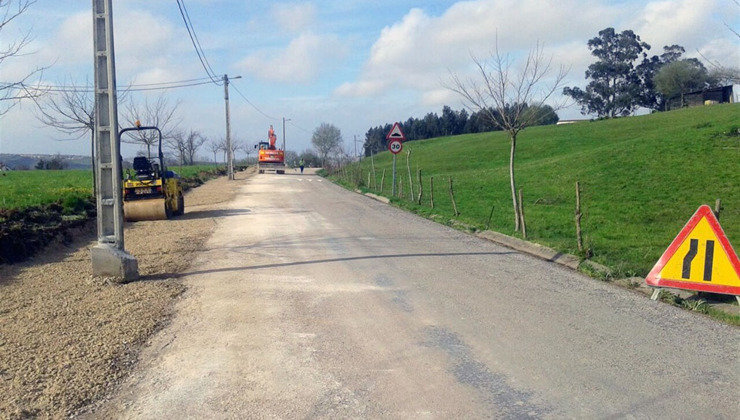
[431, 191]
[452, 197]
[400, 187]
[375, 177]
[490, 216]
[382, 180]
[521, 215]
[579, 239]
[421, 188]
[368, 178]
[411, 182]
[717, 208]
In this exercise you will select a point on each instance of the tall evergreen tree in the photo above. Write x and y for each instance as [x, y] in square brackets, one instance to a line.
[614, 89]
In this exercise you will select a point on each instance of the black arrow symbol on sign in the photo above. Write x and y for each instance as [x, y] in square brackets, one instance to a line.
[708, 259]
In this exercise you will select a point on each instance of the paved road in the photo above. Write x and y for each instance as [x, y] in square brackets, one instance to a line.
[311, 301]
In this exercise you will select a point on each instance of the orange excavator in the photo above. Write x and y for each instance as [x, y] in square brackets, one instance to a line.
[270, 157]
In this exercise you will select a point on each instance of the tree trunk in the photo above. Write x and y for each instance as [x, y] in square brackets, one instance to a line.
[513, 182]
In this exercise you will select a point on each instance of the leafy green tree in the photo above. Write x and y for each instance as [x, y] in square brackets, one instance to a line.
[614, 89]
[649, 96]
[675, 79]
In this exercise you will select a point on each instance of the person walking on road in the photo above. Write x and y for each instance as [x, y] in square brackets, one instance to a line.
[301, 164]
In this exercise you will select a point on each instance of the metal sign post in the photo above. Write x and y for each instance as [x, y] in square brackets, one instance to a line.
[109, 259]
[395, 140]
[393, 190]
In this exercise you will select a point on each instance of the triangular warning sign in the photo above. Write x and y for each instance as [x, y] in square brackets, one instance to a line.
[395, 133]
[700, 258]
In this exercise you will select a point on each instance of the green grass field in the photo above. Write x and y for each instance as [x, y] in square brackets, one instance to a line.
[641, 179]
[21, 189]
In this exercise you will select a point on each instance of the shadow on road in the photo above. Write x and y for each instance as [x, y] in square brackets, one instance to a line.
[322, 261]
[209, 214]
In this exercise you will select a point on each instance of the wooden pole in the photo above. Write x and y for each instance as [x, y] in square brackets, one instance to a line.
[521, 215]
[490, 216]
[452, 197]
[408, 169]
[579, 238]
[431, 191]
[375, 178]
[400, 187]
[717, 208]
[368, 178]
[382, 181]
[421, 189]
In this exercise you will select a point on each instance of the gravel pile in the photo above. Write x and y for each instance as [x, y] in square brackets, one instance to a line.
[67, 338]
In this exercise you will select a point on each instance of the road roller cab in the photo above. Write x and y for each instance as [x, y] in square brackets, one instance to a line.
[151, 192]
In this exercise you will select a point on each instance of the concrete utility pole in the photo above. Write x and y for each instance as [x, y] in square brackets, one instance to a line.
[109, 259]
[229, 151]
[284, 120]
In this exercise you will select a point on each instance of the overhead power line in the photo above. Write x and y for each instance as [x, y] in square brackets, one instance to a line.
[131, 88]
[299, 127]
[196, 43]
[250, 103]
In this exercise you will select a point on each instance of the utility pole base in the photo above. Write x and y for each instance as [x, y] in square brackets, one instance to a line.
[108, 261]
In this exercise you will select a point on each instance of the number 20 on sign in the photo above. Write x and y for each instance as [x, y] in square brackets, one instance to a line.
[700, 258]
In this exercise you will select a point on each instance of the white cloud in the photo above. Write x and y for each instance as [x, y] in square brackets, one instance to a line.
[420, 49]
[670, 22]
[294, 17]
[302, 61]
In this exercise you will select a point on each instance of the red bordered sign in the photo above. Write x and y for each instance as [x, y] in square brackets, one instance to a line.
[396, 133]
[395, 146]
[700, 258]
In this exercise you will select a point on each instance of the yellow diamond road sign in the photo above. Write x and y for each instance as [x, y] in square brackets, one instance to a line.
[700, 258]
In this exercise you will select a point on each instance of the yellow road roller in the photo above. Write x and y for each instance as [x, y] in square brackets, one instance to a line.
[151, 192]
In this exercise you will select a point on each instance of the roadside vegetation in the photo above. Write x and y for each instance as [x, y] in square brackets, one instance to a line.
[39, 206]
[641, 179]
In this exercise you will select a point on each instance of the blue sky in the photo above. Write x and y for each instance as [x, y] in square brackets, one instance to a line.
[355, 64]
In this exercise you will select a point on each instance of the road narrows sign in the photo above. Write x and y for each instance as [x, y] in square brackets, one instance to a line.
[700, 258]
[396, 133]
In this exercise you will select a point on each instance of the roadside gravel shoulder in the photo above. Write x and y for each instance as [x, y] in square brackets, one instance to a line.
[67, 338]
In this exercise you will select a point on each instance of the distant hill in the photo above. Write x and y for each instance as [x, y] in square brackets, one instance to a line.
[27, 161]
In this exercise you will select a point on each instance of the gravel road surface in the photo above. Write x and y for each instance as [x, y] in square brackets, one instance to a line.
[66, 338]
[312, 301]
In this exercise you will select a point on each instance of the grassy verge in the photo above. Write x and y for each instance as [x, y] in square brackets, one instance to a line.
[38, 206]
[23, 189]
[641, 180]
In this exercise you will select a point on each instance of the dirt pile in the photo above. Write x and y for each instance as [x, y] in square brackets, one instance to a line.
[65, 337]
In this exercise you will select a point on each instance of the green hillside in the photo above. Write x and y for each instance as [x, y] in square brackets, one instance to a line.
[641, 177]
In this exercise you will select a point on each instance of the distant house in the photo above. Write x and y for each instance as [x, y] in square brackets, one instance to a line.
[718, 95]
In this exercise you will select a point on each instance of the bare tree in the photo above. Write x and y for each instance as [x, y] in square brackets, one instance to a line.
[159, 113]
[511, 98]
[176, 143]
[72, 111]
[193, 142]
[214, 147]
[13, 92]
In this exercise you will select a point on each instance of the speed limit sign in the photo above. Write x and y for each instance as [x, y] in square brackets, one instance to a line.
[395, 146]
